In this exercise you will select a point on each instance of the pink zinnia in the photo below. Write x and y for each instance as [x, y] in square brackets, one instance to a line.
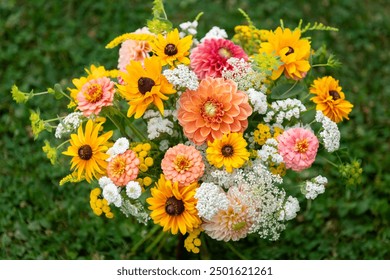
[182, 164]
[94, 95]
[214, 109]
[123, 168]
[298, 147]
[210, 57]
[133, 50]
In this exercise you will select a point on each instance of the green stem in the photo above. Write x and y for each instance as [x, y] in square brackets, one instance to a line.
[235, 251]
[332, 163]
[320, 65]
[40, 93]
[142, 241]
[132, 127]
[62, 144]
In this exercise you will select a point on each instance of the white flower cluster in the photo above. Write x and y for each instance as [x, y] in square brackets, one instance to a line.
[215, 32]
[120, 146]
[70, 123]
[135, 209]
[269, 152]
[258, 100]
[182, 77]
[290, 209]
[331, 134]
[211, 199]
[284, 109]
[188, 28]
[158, 124]
[314, 187]
[243, 74]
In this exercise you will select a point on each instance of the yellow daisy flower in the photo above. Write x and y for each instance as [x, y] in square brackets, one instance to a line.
[171, 48]
[293, 52]
[174, 208]
[144, 86]
[229, 151]
[88, 151]
[330, 99]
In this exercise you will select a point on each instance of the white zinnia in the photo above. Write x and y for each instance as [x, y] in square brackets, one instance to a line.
[112, 195]
[133, 189]
[121, 145]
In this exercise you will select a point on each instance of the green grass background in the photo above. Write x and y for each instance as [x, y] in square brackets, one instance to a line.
[44, 42]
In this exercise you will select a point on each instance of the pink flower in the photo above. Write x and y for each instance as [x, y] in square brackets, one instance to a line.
[214, 109]
[182, 164]
[233, 223]
[298, 147]
[123, 168]
[133, 50]
[94, 95]
[210, 57]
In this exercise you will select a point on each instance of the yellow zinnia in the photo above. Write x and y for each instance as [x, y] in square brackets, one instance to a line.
[144, 85]
[174, 208]
[88, 151]
[330, 99]
[171, 48]
[229, 151]
[293, 52]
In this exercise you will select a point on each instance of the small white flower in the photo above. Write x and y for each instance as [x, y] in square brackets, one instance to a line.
[112, 195]
[121, 145]
[104, 181]
[314, 187]
[215, 32]
[290, 209]
[133, 189]
[112, 153]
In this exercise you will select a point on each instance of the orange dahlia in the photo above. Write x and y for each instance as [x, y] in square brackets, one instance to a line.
[293, 51]
[214, 109]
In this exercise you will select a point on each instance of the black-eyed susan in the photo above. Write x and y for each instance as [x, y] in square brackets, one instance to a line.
[330, 99]
[171, 48]
[172, 207]
[87, 150]
[144, 85]
[229, 151]
[293, 51]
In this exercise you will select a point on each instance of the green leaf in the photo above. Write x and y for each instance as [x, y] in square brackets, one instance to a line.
[286, 90]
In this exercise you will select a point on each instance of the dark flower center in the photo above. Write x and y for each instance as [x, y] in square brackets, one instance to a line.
[145, 84]
[335, 94]
[85, 152]
[170, 49]
[174, 207]
[227, 150]
[290, 51]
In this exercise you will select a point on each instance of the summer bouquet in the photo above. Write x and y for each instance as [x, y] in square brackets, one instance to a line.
[201, 136]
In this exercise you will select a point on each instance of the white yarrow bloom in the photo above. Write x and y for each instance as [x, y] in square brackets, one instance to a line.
[211, 199]
[314, 187]
[121, 145]
[188, 28]
[284, 109]
[182, 77]
[258, 100]
[331, 134]
[104, 181]
[70, 123]
[269, 152]
[290, 209]
[158, 124]
[112, 195]
[133, 189]
[215, 32]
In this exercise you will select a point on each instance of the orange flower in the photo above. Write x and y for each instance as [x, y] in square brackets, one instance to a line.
[214, 109]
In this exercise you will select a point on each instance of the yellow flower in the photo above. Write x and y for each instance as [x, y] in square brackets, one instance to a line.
[330, 99]
[87, 150]
[229, 151]
[293, 52]
[172, 207]
[171, 48]
[144, 86]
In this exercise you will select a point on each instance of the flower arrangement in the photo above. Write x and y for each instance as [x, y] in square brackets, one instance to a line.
[200, 135]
